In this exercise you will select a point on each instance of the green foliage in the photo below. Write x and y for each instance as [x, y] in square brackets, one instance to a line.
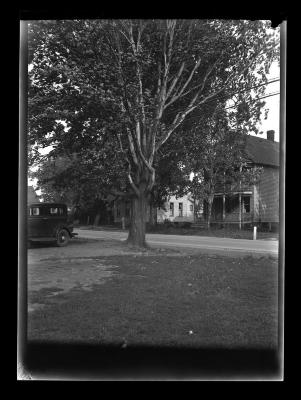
[113, 97]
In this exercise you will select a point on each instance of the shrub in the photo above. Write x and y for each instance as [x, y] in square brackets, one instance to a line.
[185, 224]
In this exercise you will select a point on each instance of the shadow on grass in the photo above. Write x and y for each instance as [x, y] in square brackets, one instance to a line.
[72, 242]
[112, 362]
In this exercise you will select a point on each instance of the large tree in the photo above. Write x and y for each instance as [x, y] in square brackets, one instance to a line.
[117, 90]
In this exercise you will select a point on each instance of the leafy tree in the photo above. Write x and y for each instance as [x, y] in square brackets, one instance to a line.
[116, 91]
[74, 181]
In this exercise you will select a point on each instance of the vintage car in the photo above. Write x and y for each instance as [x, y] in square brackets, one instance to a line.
[49, 222]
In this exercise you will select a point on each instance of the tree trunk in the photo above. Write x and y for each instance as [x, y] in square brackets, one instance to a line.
[153, 215]
[96, 220]
[137, 225]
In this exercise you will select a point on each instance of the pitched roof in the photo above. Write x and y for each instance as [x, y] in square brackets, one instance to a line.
[262, 151]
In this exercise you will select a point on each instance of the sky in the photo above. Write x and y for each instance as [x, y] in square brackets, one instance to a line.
[273, 104]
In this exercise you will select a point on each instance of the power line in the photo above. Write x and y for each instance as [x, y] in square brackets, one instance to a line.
[273, 80]
[269, 95]
[259, 98]
[259, 85]
[194, 118]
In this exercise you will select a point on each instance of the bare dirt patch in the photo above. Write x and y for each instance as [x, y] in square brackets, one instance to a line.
[58, 270]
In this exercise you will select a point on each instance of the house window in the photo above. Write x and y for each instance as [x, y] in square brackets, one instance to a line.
[180, 209]
[247, 204]
[54, 211]
[191, 207]
[231, 204]
[171, 209]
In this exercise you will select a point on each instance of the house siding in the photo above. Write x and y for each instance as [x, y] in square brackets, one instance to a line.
[188, 215]
[266, 196]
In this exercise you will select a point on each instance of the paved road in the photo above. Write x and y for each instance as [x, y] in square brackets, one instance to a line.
[193, 242]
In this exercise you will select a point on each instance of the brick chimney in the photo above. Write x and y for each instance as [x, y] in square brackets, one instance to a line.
[271, 135]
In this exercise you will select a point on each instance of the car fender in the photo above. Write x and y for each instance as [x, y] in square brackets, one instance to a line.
[63, 227]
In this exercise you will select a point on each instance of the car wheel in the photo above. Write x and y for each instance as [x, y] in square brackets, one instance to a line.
[62, 238]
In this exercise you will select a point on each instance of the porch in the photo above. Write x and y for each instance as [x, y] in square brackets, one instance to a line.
[233, 208]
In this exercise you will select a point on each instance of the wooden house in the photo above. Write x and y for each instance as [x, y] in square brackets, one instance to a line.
[254, 204]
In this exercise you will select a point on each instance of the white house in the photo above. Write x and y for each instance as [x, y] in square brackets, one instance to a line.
[179, 209]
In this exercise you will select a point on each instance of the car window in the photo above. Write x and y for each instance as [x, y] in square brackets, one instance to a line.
[56, 211]
[34, 211]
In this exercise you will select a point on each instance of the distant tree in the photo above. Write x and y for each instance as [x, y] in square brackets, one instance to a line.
[74, 181]
[116, 91]
[171, 176]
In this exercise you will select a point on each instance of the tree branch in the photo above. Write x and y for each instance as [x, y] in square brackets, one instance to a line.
[134, 187]
[140, 153]
[132, 147]
[138, 69]
[125, 101]
[176, 78]
[202, 85]
[176, 97]
[181, 116]
[167, 58]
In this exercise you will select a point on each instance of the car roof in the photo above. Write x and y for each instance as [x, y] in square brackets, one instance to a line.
[47, 204]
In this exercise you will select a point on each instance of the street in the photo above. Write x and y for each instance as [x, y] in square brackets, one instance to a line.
[217, 244]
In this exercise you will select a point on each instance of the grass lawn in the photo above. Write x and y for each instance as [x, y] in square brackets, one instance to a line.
[234, 233]
[166, 299]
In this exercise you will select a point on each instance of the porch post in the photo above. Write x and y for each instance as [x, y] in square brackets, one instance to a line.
[194, 215]
[224, 198]
[239, 198]
[224, 208]
[243, 207]
[239, 201]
